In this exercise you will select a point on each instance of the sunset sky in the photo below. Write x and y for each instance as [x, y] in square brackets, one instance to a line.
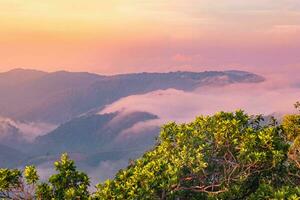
[119, 36]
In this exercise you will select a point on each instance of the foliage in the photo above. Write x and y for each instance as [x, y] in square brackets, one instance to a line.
[297, 105]
[31, 175]
[67, 184]
[14, 186]
[268, 192]
[291, 126]
[224, 156]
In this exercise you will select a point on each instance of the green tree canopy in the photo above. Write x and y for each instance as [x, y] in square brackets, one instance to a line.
[67, 184]
[224, 156]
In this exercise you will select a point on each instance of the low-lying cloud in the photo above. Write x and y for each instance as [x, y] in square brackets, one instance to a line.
[27, 131]
[272, 96]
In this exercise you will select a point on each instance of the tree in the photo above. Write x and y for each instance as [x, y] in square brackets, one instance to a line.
[291, 127]
[68, 183]
[15, 185]
[224, 156]
[297, 105]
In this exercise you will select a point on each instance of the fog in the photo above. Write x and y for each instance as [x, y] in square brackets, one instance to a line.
[27, 131]
[275, 95]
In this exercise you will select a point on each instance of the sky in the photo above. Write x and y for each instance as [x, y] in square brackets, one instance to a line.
[121, 36]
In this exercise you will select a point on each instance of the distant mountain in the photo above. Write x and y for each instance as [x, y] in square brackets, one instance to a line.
[95, 135]
[17, 77]
[10, 157]
[58, 97]
[10, 135]
[17, 134]
[32, 101]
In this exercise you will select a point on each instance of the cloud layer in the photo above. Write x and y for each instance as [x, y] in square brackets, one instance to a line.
[271, 96]
[25, 131]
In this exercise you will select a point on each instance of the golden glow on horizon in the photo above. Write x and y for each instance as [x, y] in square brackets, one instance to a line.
[95, 32]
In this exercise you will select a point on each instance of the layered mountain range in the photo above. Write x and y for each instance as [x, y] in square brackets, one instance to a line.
[44, 114]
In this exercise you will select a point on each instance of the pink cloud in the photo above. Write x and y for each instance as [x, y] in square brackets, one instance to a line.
[174, 105]
[28, 130]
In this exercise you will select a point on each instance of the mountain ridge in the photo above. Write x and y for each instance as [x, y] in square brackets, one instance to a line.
[58, 97]
[71, 103]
